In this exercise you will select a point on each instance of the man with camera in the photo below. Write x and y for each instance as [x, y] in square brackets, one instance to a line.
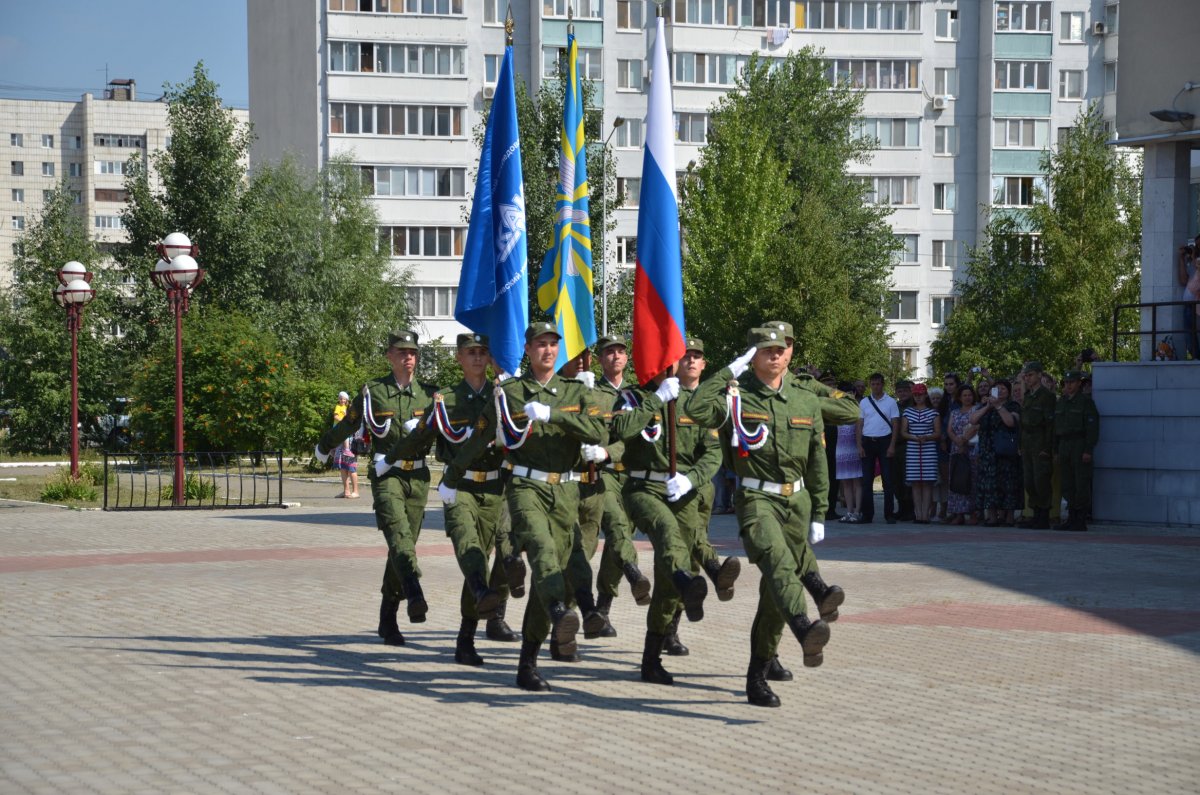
[1188, 275]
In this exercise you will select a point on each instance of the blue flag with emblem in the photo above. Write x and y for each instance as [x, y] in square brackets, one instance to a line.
[565, 286]
[493, 284]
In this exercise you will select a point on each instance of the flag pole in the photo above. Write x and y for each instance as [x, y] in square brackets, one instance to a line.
[671, 412]
[509, 24]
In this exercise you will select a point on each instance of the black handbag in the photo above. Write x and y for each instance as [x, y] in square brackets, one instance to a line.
[960, 474]
[1004, 443]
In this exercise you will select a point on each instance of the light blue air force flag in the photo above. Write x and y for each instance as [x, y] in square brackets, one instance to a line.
[493, 294]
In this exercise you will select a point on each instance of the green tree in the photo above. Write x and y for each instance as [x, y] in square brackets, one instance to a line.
[35, 368]
[776, 227]
[1044, 284]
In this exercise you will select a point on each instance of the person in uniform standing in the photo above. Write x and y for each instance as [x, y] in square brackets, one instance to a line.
[392, 407]
[776, 431]
[543, 420]
[1037, 445]
[1076, 431]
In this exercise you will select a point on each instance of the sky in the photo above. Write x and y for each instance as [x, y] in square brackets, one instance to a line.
[59, 49]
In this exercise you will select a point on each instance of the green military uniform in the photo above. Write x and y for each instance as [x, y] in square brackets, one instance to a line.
[1037, 447]
[400, 494]
[542, 494]
[619, 551]
[782, 484]
[1076, 431]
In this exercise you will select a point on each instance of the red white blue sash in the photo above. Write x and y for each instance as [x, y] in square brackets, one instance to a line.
[509, 434]
[441, 421]
[651, 433]
[743, 439]
[380, 430]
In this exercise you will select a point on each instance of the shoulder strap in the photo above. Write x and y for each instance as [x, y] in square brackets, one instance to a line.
[877, 411]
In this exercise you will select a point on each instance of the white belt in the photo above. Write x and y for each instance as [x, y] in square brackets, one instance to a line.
[480, 476]
[552, 478]
[642, 474]
[784, 489]
[403, 465]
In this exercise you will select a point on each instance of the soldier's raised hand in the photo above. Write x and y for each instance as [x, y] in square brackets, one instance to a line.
[587, 378]
[594, 454]
[537, 412]
[739, 365]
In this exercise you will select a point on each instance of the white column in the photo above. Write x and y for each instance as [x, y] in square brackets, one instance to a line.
[1164, 227]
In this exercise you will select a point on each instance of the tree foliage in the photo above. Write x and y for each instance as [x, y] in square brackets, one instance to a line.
[776, 227]
[1043, 285]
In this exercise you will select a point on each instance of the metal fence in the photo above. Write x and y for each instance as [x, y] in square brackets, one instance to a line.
[212, 481]
[1156, 331]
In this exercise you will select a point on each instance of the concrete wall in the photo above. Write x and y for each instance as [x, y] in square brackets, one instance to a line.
[286, 57]
[1147, 464]
[1163, 33]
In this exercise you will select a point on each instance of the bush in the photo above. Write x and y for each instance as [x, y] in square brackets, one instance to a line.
[195, 489]
[61, 487]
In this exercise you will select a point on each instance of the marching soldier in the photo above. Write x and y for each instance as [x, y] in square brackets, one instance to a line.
[392, 407]
[542, 419]
[1037, 445]
[1076, 431]
[776, 431]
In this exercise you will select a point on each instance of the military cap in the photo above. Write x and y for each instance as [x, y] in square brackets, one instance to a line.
[1032, 367]
[540, 328]
[766, 337]
[609, 340]
[694, 344]
[405, 340]
[1072, 375]
[472, 340]
[781, 325]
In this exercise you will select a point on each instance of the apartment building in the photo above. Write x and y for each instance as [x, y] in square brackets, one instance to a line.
[88, 143]
[962, 96]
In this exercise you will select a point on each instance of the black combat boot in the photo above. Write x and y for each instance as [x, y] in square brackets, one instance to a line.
[1078, 520]
[1066, 522]
[828, 597]
[639, 585]
[1041, 519]
[594, 622]
[514, 572]
[557, 655]
[464, 649]
[417, 608]
[813, 635]
[776, 672]
[389, 630]
[692, 590]
[723, 575]
[652, 669]
[564, 623]
[671, 643]
[604, 603]
[758, 692]
[498, 628]
[487, 601]
[528, 677]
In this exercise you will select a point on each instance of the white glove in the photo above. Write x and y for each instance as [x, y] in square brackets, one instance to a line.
[739, 365]
[322, 457]
[381, 466]
[587, 378]
[470, 432]
[668, 390]
[816, 532]
[678, 486]
[594, 454]
[447, 494]
[412, 424]
[502, 376]
[537, 412]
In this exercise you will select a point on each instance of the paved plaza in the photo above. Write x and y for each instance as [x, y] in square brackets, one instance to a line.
[202, 651]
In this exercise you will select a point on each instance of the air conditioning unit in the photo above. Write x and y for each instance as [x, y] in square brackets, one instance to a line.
[941, 102]
[1099, 29]
[489, 92]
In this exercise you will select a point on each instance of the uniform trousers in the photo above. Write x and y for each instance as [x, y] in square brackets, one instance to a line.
[544, 518]
[399, 503]
[1075, 475]
[601, 511]
[671, 527]
[473, 524]
[1037, 470]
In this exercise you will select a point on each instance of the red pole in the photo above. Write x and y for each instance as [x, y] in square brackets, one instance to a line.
[73, 324]
[177, 305]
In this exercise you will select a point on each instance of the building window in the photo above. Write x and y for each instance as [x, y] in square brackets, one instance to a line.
[889, 133]
[18, 195]
[860, 15]
[941, 309]
[590, 66]
[907, 255]
[584, 9]
[18, 222]
[47, 195]
[1014, 191]
[1023, 17]
[428, 60]
[119, 140]
[111, 195]
[18, 249]
[1110, 77]
[946, 24]
[1062, 134]
[77, 197]
[945, 197]
[110, 166]
[1070, 26]
[16, 139]
[1027, 248]
[47, 169]
[47, 141]
[432, 302]
[1070, 84]
[631, 14]
[945, 140]
[697, 68]
[108, 222]
[629, 134]
[691, 128]
[1022, 75]
[1110, 18]
[629, 75]
[733, 13]
[875, 75]
[1021, 134]
[416, 181]
[631, 189]
[944, 255]
[892, 191]
[491, 69]
[17, 168]
[903, 359]
[78, 143]
[626, 252]
[945, 82]
[75, 169]
[413, 121]
[422, 241]
[902, 305]
[429, 7]
[494, 12]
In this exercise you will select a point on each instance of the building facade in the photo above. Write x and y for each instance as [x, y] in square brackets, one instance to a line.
[963, 97]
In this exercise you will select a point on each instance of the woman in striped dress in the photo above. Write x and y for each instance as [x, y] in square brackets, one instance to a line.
[922, 427]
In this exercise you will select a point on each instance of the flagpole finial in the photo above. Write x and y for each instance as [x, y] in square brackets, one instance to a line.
[659, 10]
[509, 26]
[570, 19]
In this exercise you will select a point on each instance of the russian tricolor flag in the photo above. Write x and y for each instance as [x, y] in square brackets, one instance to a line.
[658, 328]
